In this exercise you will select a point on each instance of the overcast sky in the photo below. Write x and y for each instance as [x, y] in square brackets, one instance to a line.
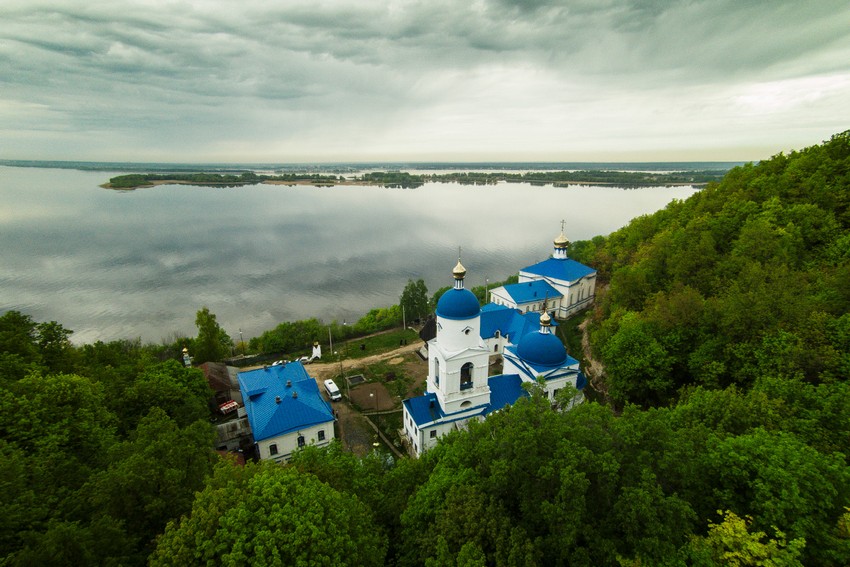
[449, 80]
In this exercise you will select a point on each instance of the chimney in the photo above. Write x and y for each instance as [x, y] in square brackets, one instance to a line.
[277, 399]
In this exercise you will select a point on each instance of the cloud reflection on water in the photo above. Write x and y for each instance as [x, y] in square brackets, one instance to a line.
[127, 264]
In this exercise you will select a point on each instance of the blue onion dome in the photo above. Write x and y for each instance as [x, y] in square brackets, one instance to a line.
[542, 349]
[458, 304]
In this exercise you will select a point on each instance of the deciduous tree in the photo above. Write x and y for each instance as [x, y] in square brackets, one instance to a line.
[212, 342]
[271, 515]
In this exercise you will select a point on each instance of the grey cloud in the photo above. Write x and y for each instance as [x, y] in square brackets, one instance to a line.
[268, 71]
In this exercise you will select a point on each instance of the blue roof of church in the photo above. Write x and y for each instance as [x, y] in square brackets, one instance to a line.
[536, 290]
[505, 390]
[542, 349]
[535, 369]
[581, 381]
[508, 321]
[560, 269]
[424, 409]
[267, 417]
[458, 304]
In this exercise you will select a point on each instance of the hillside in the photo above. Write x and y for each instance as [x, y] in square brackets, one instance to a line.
[750, 277]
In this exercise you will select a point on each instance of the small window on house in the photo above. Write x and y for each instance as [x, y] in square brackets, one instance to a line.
[433, 434]
[300, 440]
[273, 449]
[495, 348]
[322, 435]
[466, 331]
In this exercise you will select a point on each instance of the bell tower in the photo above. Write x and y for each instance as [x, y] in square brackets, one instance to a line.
[458, 360]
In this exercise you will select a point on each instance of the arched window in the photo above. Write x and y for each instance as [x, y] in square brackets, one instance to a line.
[466, 404]
[466, 376]
[498, 333]
[273, 449]
[437, 371]
[300, 440]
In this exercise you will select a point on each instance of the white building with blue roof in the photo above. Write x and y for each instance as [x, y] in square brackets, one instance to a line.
[558, 283]
[459, 388]
[285, 410]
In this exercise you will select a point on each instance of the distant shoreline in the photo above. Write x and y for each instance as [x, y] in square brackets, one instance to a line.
[405, 180]
[195, 184]
[371, 184]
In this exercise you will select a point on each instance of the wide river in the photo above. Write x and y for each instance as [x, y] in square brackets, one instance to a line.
[125, 264]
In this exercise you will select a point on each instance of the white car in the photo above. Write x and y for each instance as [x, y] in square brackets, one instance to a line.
[332, 390]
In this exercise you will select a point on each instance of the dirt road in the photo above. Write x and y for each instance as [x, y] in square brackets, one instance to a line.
[322, 370]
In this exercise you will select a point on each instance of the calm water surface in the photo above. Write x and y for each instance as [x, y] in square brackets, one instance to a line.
[110, 264]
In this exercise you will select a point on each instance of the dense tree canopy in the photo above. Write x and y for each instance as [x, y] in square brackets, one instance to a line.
[269, 515]
[91, 465]
[745, 278]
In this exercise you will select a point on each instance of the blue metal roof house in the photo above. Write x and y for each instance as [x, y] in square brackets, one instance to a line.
[285, 410]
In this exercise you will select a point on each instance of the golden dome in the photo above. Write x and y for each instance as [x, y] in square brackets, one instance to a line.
[459, 271]
[545, 320]
[561, 241]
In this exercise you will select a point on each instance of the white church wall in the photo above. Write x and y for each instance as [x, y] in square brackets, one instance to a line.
[456, 335]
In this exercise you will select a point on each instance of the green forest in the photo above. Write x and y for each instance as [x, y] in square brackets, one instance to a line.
[721, 436]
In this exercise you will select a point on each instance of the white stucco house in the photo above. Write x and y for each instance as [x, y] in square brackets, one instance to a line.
[285, 410]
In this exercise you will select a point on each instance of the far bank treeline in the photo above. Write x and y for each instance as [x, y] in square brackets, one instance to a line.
[408, 180]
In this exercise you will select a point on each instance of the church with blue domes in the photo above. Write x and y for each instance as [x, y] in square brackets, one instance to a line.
[459, 386]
